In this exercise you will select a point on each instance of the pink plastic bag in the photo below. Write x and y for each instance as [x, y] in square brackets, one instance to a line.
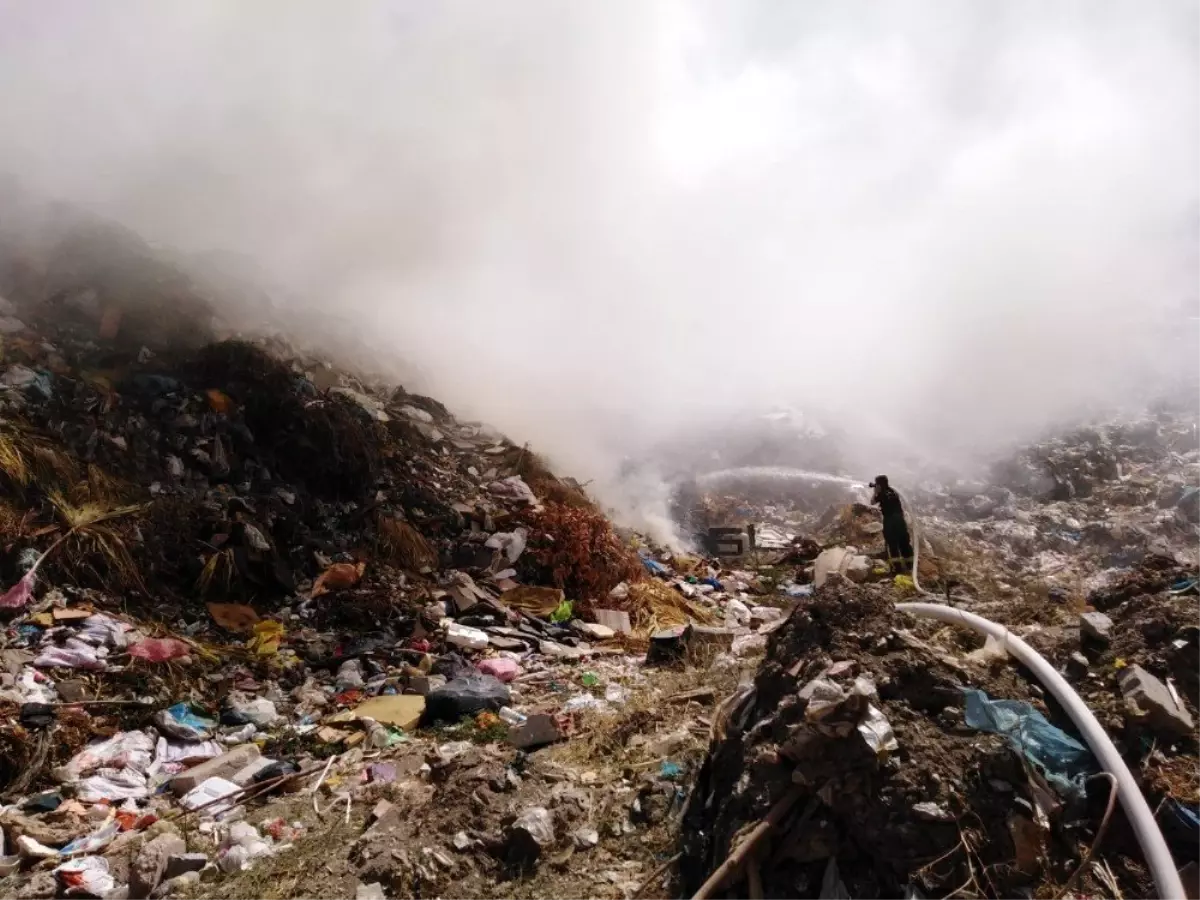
[500, 667]
[159, 649]
[18, 595]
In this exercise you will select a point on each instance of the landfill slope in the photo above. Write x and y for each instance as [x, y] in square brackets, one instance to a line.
[893, 803]
[278, 626]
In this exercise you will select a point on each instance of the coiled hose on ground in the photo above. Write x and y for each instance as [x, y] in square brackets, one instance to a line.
[1154, 846]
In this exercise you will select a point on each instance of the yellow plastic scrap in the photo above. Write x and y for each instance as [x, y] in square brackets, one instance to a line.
[218, 401]
[904, 584]
[267, 635]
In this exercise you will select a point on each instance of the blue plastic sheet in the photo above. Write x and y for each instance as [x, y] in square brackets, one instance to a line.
[654, 567]
[180, 722]
[1181, 826]
[1063, 761]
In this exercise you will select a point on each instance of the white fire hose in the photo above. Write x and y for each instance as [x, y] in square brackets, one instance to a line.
[1154, 846]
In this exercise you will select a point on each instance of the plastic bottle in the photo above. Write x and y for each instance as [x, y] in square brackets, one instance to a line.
[511, 716]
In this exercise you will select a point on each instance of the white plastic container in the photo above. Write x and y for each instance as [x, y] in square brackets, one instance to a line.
[466, 637]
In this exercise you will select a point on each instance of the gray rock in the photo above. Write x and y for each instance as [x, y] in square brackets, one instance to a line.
[1096, 626]
[932, 812]
[1077, 665]
[372, 891]
[222, 766]
[1147, 701]
[151, 863]
[426, 684]
[183, 863]
[858, 569]
[594, 630]
[72, 691]
[177, 885]
[617, 620]
[536, 731]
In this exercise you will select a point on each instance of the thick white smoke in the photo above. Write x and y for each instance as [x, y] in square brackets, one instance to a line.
[593, 223]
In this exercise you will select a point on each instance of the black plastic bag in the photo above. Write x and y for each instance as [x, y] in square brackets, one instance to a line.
[464, 697]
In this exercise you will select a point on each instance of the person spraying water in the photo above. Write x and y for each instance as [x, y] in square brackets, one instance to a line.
[895, 529]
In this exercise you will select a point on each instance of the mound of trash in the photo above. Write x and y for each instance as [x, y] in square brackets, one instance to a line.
[891, 756]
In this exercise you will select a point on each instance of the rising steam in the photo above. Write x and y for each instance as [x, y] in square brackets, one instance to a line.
[943, 225]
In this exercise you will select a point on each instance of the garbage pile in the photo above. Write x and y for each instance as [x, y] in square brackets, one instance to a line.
[268, 618]
[893, 757]
[876, 754]
[234, 574]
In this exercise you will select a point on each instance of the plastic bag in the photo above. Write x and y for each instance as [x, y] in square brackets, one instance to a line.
[101, 631]
[500, 667]
[514, 488]
[113, 784]
[464, 697]
[73, 654]
[235, 617]
[97, 840]
[654, 567]
[172, 757]
[512, 543]
[465, 636]
[208, 790]
[20, 593]
[258, 711]
[180, 722]
[737, 613]
[87, 875]
[32, 686]
[832, 886]
[158, 650]
[1181, 827]
[128, 750]
[38, 715]
[267, 635]
[338, 577]
[1062, 760]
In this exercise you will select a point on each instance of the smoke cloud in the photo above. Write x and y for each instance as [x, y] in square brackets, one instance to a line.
[940, 226]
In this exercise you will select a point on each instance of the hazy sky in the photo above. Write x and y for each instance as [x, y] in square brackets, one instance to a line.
[593, 221]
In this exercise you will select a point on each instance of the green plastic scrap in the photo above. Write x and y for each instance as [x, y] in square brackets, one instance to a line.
[563, 612]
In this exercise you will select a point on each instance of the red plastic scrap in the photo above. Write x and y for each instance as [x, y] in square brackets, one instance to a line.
[159, 649]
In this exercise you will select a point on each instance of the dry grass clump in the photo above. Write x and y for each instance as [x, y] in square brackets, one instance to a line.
[577, 550]
[95, 546]
[403, 545]
[1175, 776]
[27, 460]
[653, 605]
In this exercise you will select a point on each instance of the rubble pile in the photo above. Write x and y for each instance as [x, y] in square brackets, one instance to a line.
[868, 738]
[860, 712]
[247, 593]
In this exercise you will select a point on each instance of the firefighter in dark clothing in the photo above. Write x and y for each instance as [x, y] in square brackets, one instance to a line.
[895, 529]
